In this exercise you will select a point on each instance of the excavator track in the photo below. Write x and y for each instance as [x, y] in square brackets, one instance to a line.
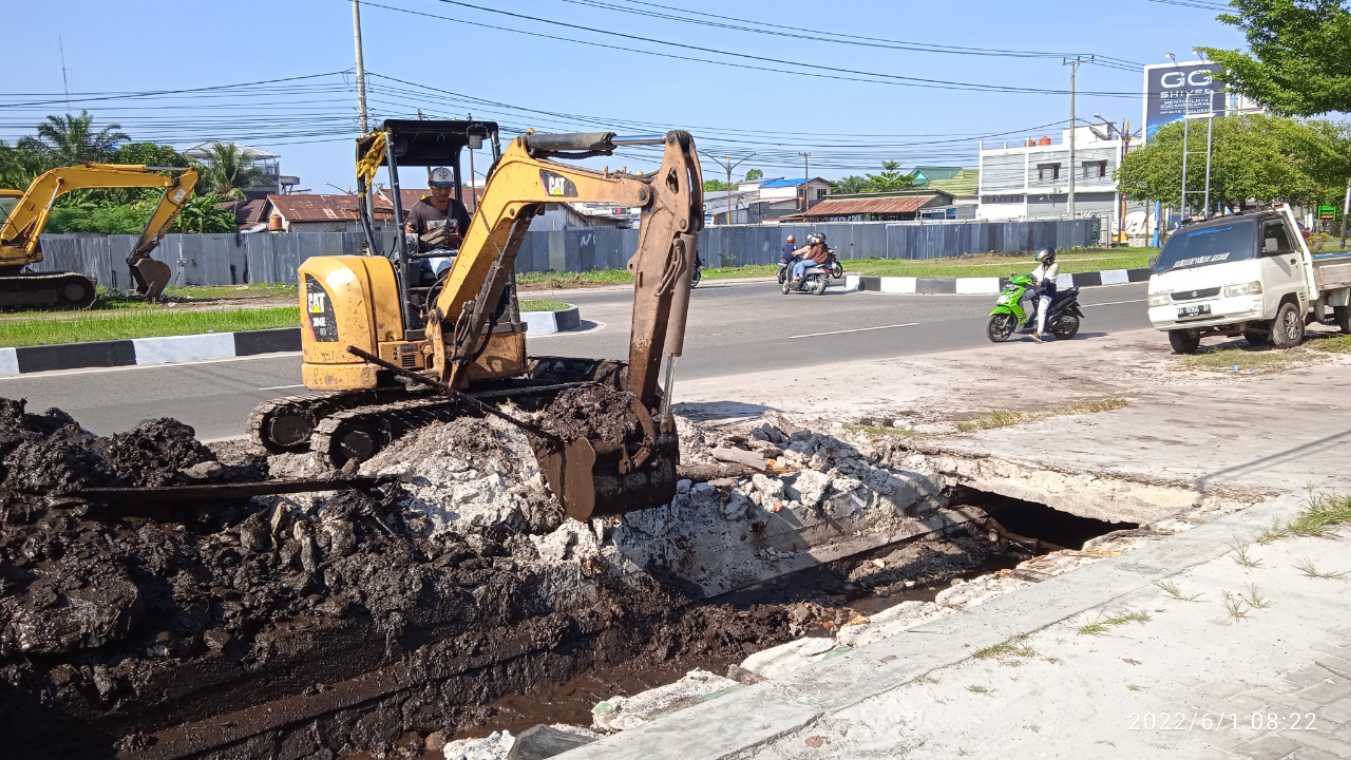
[357, 424]
[285, 425]
[50, 290]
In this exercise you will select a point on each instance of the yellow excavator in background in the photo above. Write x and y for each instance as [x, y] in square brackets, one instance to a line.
[392, 347]
[26, 214]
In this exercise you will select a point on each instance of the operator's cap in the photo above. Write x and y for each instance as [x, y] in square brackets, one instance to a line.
[441, 177]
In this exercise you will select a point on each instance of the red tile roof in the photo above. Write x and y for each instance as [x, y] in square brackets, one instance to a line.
[304, 208]
[410, 196]
[892, 204]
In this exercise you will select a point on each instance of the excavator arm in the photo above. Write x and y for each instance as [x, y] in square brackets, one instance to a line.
[590, 477]
[22, 228]
[520, 186]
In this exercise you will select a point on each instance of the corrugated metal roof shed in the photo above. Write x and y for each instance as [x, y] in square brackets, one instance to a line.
[890, 204]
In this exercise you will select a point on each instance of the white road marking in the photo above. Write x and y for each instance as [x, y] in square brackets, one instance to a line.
[1116, 303]
[282, 387]
[860, 329]
[132, 367]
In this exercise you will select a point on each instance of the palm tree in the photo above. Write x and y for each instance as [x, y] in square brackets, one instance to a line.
[72, 139]
[229, 171]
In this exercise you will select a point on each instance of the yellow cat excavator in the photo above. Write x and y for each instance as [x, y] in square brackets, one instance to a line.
[389, 346]
[25, 215]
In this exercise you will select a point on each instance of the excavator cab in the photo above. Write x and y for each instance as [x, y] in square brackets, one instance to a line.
[425, 144]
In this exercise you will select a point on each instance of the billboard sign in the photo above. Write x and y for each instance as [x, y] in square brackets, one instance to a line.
[1174, 90]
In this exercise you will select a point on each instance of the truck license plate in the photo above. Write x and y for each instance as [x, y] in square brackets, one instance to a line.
[1198, 310]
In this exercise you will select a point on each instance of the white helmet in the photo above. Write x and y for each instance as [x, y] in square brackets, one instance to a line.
[1045, 255]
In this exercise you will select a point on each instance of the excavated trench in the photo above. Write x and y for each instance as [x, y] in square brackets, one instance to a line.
[355, 623]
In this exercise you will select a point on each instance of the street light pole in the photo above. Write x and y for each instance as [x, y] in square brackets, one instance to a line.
[729, 166]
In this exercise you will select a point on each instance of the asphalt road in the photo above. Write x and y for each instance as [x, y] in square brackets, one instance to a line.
[733, 328]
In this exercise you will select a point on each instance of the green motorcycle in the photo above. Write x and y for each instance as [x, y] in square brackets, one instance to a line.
[1062, 319]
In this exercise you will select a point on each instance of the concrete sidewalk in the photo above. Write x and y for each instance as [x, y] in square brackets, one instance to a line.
[1185, 638]
[1254, 660]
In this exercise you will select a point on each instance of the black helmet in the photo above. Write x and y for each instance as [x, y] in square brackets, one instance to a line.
[1046, 255]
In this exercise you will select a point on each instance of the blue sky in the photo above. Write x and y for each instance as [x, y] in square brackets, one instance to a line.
[156, 45]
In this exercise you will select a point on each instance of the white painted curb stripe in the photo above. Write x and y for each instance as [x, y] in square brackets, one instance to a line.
[852, 282]
[1067, 280]
[540, 322]
[977, 286]
[184, 348]
[9, 361]
[897, 285]
[1115, 276]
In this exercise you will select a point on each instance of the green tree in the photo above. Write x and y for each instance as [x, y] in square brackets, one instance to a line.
[202, 213]
[890, 179]
[754, 174]
[1256, 157]
[228, 171]
[149, 154]
[19, 164]
[715, 186]
[1299, 64]
[70, 139]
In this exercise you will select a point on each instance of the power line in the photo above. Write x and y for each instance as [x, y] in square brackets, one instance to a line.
[1198, 4]
[797, 33]
[815, 70]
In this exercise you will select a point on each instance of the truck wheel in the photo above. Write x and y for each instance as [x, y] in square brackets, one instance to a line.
[1184, 341]
[1257, 337]
[1342, 316]
[1287, 330]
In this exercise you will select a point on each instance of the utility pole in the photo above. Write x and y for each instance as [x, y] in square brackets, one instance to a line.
[1073, 63]
[806, 176]
[361, 67]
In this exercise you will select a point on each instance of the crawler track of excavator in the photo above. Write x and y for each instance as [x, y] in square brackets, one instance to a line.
[48, 290]
[355, 425]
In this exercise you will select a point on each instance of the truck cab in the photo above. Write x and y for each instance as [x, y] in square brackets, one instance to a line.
[1247, 274]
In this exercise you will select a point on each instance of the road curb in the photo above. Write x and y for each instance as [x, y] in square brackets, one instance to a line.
[987, 286]
[180, 349]
[550, 322]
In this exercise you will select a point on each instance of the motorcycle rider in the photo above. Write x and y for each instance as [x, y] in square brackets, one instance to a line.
[1044, 278]
[814, 253]
[789, 249]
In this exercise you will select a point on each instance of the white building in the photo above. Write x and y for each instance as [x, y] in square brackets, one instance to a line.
[1031, 180]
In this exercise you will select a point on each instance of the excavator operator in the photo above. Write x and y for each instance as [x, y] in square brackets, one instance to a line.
[438, 220]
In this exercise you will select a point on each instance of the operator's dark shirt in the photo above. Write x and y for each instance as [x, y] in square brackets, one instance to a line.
[423, 217]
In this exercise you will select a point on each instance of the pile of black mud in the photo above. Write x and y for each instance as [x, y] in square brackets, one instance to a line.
[265, 628]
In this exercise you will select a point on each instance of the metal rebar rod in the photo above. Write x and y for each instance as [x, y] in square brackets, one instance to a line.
[454, 394]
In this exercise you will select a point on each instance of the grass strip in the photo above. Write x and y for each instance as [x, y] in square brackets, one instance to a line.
[80, 327]
[1005, 417]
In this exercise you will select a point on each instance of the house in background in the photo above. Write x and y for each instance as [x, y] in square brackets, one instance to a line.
[306, 212]
[1031, 180]
[962, 183]
[898, 206]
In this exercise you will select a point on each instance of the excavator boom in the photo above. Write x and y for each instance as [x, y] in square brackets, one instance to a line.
[22, 228]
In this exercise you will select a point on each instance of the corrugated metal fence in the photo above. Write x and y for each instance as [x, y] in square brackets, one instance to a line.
[227, 259]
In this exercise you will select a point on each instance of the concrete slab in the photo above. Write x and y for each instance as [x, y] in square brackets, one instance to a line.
[977, 286]
[9, 361]
[184, 348]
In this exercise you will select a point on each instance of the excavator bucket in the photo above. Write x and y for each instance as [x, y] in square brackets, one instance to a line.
[151, 277]
[591, 484]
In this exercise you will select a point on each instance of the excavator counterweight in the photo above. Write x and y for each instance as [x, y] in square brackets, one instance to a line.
[392, 346]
